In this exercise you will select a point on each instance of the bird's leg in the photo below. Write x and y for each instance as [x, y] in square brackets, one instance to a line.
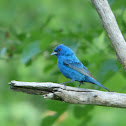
[80, 84]
[67, 82]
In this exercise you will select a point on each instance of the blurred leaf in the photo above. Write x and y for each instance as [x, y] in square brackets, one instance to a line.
[99, 42]
[49, 120]
[111, 2]
[57, 106]
[49, 18]
[107, 69]
[115, 4]
[82, 111]
[79, 111]
[29, 62]
[86, 120]
[21, 36]
[46, 39]
[29, 51]
[124, 16]
[48, 67]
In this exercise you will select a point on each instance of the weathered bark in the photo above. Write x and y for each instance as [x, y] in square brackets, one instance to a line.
[71, 94]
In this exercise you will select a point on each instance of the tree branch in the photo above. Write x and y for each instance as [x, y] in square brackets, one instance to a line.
[110, 25]
[71, 94]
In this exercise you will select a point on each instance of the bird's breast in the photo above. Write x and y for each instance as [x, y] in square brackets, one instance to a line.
[64, 69]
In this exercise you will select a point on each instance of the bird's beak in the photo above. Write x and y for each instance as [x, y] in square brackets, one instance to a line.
[54, 53]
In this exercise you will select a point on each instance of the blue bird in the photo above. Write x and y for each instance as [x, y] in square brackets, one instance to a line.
[71, 67]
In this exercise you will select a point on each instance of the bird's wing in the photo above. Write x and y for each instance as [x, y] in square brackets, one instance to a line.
[78, 66]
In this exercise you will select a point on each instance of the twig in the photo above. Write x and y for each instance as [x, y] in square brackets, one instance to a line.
[110, 25]
[71, 94]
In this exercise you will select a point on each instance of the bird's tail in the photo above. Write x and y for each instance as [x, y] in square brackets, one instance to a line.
[93, 81]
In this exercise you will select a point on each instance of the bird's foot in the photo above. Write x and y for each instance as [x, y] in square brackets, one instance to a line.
[64, 85]
[66, 82]
[80, 84]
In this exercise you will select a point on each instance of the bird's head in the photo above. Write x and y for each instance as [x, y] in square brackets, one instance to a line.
[62, 50]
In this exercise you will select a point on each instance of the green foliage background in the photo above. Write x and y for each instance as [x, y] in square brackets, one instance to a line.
[29, 31]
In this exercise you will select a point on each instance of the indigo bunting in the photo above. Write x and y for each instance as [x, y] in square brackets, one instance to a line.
[71, 67]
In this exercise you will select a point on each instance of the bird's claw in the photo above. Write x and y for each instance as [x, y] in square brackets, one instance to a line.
[64, 85]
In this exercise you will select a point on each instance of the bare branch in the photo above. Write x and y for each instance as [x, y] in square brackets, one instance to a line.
[71, 94]
[110, 25]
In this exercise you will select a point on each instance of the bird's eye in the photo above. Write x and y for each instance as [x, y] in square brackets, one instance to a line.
[58, 49]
